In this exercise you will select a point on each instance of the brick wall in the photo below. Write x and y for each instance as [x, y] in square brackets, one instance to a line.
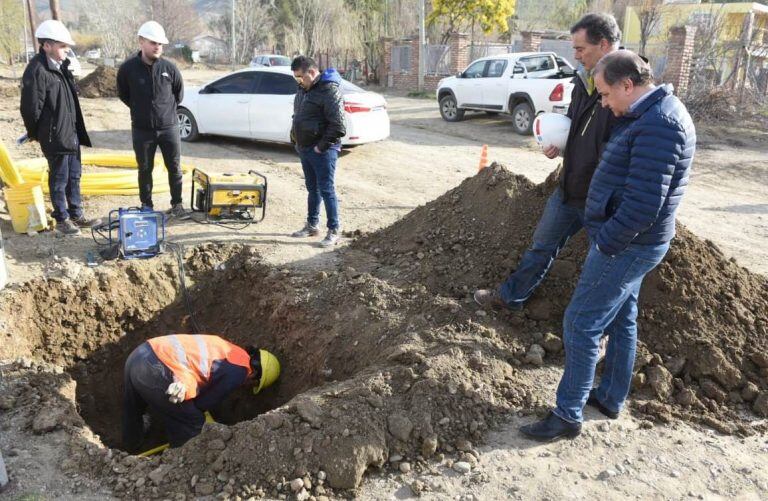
[409, 80]
[679, 57]
[531, 41]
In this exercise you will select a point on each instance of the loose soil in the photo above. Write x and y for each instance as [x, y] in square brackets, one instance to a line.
[381, 357]
[703, 320]
[101, 82]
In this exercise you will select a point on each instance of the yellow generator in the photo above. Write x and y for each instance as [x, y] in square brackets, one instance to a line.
[233, 197]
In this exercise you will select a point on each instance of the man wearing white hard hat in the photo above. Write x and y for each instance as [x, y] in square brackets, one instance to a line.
[588, 130]
[52, 116]
[152, 88]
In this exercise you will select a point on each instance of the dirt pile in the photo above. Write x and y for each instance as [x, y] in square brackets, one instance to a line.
[370, 372]
[703, 322]
[101, 82]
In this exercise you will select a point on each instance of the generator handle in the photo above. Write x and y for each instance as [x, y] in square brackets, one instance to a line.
[263, 202]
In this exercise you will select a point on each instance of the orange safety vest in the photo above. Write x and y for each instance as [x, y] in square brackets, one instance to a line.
[190, 357]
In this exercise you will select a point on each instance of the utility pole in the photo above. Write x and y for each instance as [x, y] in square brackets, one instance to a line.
[422, 45]
[55, 10]
[233, 35]
[32, 13]
[24, 31]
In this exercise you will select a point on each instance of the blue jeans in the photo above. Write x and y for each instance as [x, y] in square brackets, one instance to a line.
[605, 301]
[319, 171]
[64, 172]
[556, 226]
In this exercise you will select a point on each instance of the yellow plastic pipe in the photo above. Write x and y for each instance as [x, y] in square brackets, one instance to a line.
[8, 171]
[122, 182]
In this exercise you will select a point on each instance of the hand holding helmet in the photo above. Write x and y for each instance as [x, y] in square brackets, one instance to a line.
[551, 132]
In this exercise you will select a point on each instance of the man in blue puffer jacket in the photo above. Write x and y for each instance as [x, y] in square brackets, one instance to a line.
[630, 219]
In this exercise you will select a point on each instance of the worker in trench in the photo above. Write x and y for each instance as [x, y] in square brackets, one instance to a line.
[182, 376]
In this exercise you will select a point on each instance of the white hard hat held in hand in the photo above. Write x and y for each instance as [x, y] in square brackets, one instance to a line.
[551, 129]
[54, 30]
[151, 30]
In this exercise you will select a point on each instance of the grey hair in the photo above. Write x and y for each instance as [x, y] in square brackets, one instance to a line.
[621, 64]
[599, 26]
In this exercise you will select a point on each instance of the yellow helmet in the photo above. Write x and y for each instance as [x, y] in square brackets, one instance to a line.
[270, 370]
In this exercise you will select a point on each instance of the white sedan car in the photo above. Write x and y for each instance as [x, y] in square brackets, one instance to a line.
[257, 103]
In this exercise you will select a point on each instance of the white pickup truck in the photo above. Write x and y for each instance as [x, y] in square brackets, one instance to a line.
[522, 84]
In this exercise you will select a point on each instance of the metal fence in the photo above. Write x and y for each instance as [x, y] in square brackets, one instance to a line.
[401, 58]
[477, 51]
[437, 59]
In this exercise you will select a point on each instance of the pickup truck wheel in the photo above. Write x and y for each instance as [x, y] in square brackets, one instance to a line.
[522, 119]
[449, 110]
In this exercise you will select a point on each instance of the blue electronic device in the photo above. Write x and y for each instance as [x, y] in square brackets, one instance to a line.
[140, 232]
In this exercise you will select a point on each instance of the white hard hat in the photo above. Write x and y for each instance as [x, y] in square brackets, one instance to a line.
[151, 30]
[54, 30]
[551, 129]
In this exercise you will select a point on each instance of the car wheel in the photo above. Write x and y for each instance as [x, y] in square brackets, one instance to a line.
[187, 125]
[449, 110]
[522, 119]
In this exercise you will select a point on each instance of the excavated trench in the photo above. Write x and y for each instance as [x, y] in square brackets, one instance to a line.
[92, 333]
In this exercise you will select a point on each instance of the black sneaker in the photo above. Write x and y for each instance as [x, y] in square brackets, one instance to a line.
[605, 411]
[307, 231]
[67, 227]
[177, 211]
[84, 222]
[551, 428]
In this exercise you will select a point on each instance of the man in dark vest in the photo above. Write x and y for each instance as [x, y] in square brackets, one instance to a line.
[594, 36]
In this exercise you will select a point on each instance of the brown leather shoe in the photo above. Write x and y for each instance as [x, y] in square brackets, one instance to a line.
[489, 298]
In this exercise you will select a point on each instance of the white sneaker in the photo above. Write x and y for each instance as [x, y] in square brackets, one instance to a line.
[331, 238]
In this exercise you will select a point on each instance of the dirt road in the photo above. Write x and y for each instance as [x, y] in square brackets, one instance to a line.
[380, 182]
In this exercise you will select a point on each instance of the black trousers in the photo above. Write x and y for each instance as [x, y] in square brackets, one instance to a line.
[145, 143]
[145, 380]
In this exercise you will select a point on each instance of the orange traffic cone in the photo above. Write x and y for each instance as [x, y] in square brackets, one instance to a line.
[483, 158]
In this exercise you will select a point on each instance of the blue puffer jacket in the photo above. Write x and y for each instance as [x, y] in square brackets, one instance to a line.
[641, 178]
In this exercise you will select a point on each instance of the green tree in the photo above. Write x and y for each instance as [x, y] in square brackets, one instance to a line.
[11, 26]
[455, 15]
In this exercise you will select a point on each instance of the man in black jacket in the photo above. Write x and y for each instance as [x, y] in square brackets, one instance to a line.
[152, 88]
[318, 126]
[593, 36]
[52, 116]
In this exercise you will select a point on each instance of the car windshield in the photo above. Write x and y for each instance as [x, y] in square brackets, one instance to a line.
[347, 86]
[279, 61]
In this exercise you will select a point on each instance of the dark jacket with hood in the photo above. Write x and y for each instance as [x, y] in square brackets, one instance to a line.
[318, 113]
[641, 179]
[50, 108]
[151, 92]
[591, 126]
